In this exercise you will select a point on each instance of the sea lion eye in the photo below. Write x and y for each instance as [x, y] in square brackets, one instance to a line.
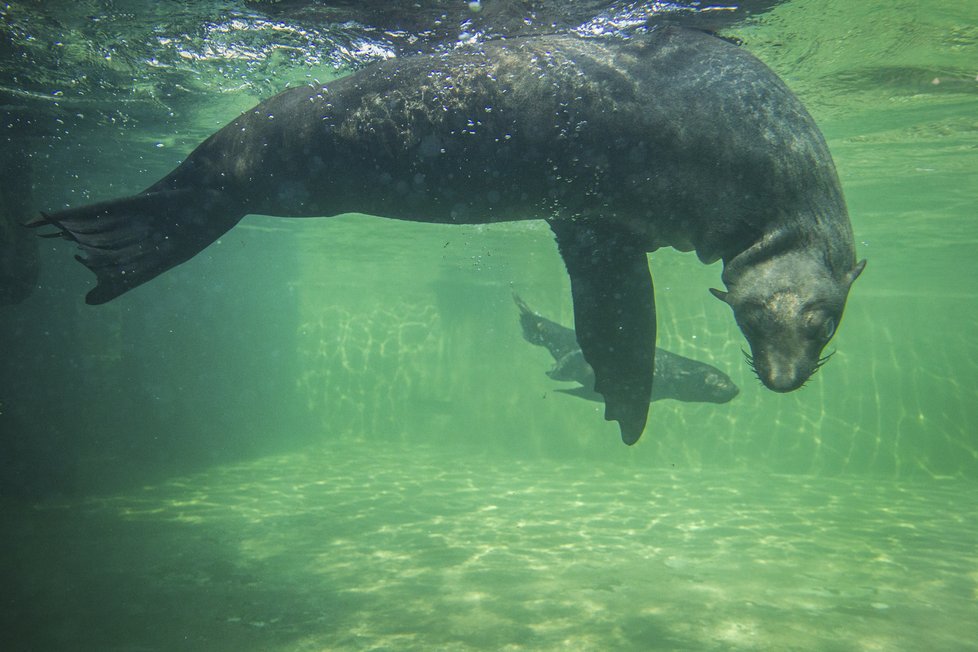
[828, 329]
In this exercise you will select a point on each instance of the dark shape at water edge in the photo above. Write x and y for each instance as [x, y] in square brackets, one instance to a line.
[19, 260]
[676, 377]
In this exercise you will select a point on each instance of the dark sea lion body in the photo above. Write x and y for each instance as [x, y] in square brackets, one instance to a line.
[674, 139]
[676, 377]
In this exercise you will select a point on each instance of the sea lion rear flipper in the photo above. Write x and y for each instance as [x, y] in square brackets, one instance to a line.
[539, 330]
[614, 317]
[131, 240]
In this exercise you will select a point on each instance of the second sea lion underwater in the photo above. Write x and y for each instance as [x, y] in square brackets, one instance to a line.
[673, 138]
[675, 376]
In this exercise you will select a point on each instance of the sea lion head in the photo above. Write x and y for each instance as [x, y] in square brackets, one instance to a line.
[788, 306]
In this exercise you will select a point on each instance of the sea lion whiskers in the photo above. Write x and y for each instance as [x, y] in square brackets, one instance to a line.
[750, 364]
[821, 363]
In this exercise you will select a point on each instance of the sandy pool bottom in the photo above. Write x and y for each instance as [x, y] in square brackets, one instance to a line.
[351, 548]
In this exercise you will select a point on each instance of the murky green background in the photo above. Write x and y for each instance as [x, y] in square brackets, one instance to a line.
[330, 434]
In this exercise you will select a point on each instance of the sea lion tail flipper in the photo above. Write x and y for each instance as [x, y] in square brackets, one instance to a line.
[539, 330]
[131, 240]
[530, 323]
[614, 316]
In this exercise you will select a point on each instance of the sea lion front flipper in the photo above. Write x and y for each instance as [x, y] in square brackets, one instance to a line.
[614, 316]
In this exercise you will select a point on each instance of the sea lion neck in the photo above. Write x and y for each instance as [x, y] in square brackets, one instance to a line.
[776, 242]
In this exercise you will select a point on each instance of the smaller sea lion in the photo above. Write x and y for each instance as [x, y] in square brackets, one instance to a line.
[676, 376]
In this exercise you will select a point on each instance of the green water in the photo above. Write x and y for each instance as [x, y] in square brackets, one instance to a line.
[330, 434]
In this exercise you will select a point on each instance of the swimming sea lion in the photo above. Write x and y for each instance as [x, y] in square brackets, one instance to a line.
[675, 138]
[675, 376]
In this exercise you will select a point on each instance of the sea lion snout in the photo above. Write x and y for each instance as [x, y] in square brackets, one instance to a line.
[721, 387]
[783, 373]
[787, 324]
[787, 333]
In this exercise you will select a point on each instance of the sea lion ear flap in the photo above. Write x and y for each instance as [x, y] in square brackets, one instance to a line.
[720, 294]
[856, 271]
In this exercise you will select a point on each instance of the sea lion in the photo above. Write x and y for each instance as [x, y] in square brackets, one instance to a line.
[674, 138]
[675, 376]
